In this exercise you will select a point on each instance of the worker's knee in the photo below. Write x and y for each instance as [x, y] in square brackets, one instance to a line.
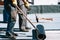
[13, 15]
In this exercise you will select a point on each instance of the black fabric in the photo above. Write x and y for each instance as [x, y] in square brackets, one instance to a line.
[7, 3]
[20, 21]
[18, 3]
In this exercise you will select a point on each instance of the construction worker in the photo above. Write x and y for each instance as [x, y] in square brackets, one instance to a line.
[9, 10]
[24, 5]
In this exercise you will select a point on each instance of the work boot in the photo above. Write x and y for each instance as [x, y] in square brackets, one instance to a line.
[23, 29]
[10, 34]
[15, 34]
[27, 28]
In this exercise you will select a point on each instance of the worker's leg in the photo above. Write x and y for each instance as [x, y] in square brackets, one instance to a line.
[20, 21]
[11, 22]
[5, 16]
[24, 19]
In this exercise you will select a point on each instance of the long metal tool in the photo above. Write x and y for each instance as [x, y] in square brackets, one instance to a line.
[24, 15]
[39, 28]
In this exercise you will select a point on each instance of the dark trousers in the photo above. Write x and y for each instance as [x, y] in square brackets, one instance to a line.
[5, 16]
[10, 17]
[22, 20]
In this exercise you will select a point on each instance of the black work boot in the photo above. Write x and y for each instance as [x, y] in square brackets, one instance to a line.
[8, 34]
[15, 34]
